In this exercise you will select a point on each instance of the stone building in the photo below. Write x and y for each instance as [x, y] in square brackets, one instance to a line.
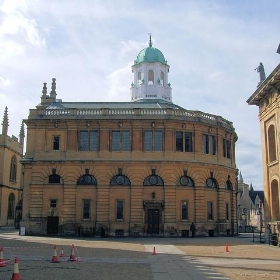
[139, 168]
[250, 207]
[11, 150]
[266, 97]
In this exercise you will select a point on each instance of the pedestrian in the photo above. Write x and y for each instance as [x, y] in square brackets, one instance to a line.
[193, 229]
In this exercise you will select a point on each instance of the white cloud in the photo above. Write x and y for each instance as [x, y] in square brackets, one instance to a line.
[4, 83]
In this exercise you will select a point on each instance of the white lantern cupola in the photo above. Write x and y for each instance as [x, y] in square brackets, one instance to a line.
[150, 76]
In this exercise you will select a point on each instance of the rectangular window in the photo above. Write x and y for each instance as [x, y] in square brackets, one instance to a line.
[179, 141]
[86, 209]
[209, 144]
[227, 211]
[88, 140]
[184, 210]
[188, 142]
[56, 143]
[153, 140]
[121, 141]
[119, 209]
[226, 148]
[210, 210]
[53, 203]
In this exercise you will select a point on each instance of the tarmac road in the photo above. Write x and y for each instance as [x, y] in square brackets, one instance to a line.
[96, 258]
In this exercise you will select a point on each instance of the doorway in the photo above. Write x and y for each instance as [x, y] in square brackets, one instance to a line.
[153, 221]
[52, 225]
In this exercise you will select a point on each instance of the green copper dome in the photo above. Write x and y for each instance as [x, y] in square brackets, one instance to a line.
[150, 54]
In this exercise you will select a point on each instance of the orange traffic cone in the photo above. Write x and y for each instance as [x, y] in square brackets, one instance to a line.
[2, 261]
[16, 275]
[55, 258]
[72, 257]
[227, 250]
[154, 251]
[62, 253]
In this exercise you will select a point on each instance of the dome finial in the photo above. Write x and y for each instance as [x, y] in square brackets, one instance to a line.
[150, 42]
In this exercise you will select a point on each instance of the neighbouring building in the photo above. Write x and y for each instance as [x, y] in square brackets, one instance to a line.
[11, 150]
[147, 167]
[250, 207]
[266, 97]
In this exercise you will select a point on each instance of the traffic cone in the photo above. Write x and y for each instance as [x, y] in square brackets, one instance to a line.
[2, 261]
[62, 253]
[55, 258]
[16, 275]
[227, 250]
[72, 257]
[154, 251]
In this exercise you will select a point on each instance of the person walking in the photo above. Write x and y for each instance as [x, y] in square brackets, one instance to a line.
[193, 229]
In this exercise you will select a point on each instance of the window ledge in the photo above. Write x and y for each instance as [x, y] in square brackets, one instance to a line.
[272, 163]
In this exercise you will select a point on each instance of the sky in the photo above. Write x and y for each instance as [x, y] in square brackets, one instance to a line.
[89, 46]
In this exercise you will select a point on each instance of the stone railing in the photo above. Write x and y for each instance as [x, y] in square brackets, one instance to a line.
[107, 113]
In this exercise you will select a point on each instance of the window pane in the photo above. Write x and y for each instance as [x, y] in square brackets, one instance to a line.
[56, 143]
[126, 140]
[148, 142]
[205, 144]
[83, 141]
[119, 210]
[185, 210]
[86, 210]
[179, 141]
[210, 210]
[188, 142]
[93, 141]
[158, 141]
[116, 139]
[212, 145]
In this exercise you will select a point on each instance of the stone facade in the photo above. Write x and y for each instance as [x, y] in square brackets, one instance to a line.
[266, 97]
[11, 150]
[141, 168]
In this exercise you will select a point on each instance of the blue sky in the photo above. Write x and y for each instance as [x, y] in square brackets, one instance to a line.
[212, 48]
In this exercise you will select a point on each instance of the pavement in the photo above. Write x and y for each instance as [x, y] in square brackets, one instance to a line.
[99, 258]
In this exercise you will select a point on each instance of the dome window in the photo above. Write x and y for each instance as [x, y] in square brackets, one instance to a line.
[151, 77]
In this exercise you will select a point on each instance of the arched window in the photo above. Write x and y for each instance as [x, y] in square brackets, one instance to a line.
[153, 180]
[211, 183]
[120, 179]
[274, 200]
[151, 77]
[87, 179]
[271, 143]
[161, 78]
[13, 169]
[229, 185]
[186, 181]
[11, 206]
[139, 78]
[54, 178]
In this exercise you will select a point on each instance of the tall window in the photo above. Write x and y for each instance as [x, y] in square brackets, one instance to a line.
[210, 210]
[89, 140]
[209, 144]
[184, 141]
[139, 77]
[86, 209]
[56, 143]
[53, 203]
[151, 77]
[271, 143]
[184, 210]
[121, 141]
[11, 206]
[161, 78]
[119, 209]
[226, 148]
[153, 140]
[13, 169]
[227, 211]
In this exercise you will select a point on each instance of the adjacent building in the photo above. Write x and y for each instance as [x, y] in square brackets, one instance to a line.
[266, 97]
[147, 167]
[11, 150]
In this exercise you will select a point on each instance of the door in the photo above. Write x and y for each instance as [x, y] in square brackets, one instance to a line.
[153, 221]
[52, 225]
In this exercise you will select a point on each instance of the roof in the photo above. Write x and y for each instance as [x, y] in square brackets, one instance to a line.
[253, 195]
